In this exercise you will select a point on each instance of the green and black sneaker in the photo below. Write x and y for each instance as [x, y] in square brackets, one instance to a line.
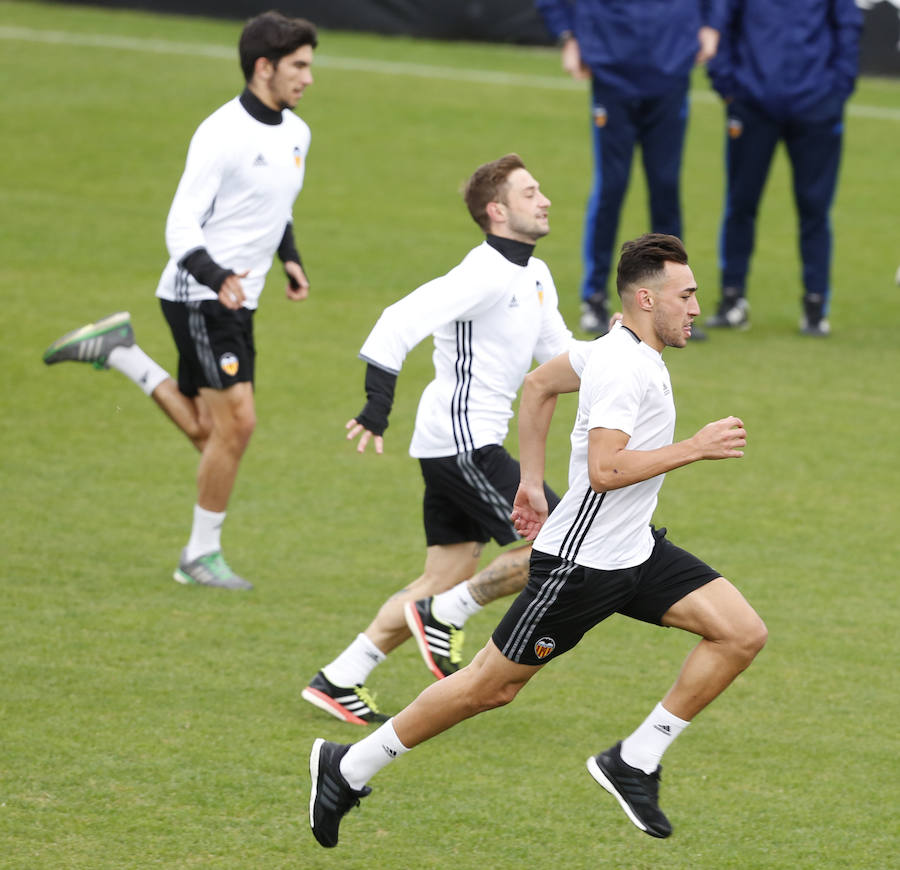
[92, 343]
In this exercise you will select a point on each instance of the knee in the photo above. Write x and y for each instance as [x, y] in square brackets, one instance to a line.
[239, 430]
[749, 639]
[482, 695]
[492, 697]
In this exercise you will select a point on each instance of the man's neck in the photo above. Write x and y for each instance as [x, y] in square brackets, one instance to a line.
[643, 331]
[258, 107]
[515, 251]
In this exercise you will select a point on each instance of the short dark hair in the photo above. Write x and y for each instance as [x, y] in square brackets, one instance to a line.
[645, 258]
[273, 36]
[488, 184]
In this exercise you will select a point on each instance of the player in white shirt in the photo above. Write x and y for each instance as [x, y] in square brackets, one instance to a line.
[596, 555]
[490, 317]
[230, 215]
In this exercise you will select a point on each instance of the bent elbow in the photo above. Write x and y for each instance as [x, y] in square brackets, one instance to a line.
[602, 480]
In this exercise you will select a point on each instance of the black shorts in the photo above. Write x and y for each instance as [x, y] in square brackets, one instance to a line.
[468, 497]
[215, 344]
[563, 601]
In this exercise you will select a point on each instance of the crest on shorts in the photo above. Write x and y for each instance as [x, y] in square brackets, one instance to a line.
[735, 128]
[229, 364]
[544, 647]
[600, 116]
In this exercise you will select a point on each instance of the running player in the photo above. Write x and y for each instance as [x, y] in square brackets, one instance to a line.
[491, 316]
[231, 214]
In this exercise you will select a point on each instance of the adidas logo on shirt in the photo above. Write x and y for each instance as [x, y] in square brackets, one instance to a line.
[513, 303]
[260, 161]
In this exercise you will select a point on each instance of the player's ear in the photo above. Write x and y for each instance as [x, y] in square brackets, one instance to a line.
[496, 211]
[644, 298]
[263, 69]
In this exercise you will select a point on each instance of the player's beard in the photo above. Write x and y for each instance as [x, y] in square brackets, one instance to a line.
[529, 229]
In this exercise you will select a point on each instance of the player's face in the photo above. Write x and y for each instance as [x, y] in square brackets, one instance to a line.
[525, 207]
[290, 78]
[675, 305]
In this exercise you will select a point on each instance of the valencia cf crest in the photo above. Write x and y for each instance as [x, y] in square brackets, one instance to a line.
[600, 116]
[298, 157]
[540, 291]
[735, 128]
[228, 362]
[544, 647]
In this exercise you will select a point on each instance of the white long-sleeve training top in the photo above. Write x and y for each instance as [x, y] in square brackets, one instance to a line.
[235, 198]
[490, 319]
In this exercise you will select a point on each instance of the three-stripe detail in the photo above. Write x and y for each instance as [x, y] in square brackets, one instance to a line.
[459, 407]
[490, 495]
[550, 588]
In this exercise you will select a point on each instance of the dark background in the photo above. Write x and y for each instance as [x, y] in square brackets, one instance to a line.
[513, 21]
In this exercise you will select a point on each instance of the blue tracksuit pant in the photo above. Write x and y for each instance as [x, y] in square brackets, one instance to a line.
[658, 125]
[814, 148]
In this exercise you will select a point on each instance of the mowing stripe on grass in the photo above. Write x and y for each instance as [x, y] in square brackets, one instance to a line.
[359, 64]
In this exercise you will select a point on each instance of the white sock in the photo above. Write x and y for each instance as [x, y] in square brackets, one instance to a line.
[206, 534]
[455, 605]
[646, 746]
[355, 663]
[365, 758]
[136, 365]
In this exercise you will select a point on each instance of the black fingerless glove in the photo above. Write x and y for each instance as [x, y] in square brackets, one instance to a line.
[380, 394]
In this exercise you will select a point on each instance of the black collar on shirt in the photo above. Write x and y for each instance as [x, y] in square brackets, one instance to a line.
[633, 333]
[516, 252]
[257, 109]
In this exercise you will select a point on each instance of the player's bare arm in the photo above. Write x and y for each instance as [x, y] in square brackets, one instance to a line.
[612, 466]
[539, 392]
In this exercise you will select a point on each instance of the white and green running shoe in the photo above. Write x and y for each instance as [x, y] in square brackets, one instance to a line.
[209, 570]
[92, 343]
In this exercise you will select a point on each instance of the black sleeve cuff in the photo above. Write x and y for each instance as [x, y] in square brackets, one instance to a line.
[380, 387]
[287, 249]
[205, 269]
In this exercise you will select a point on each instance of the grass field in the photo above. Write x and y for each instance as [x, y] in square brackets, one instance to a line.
[146, 724]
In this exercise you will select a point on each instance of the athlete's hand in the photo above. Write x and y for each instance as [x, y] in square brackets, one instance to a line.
[571, 60]
[721, 439]
[708, 37]
[298, 285]
[529, 511]
[354, 428]
[231, 293]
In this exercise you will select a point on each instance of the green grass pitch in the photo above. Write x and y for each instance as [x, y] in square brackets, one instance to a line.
[144, 724]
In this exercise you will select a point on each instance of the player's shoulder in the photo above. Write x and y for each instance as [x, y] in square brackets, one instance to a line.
[295, 127]
[225, 116]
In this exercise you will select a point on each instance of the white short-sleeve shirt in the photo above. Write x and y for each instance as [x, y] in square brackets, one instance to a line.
[624, 385]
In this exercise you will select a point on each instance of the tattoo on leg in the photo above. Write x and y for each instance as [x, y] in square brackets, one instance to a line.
[508, 573]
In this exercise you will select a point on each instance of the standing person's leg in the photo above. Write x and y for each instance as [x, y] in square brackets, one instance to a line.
[613, 133]
[750, 140]
[814, 148]
[662, 131]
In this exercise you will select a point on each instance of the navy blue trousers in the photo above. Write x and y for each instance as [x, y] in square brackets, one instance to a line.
[814, 149]
[658, 125]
